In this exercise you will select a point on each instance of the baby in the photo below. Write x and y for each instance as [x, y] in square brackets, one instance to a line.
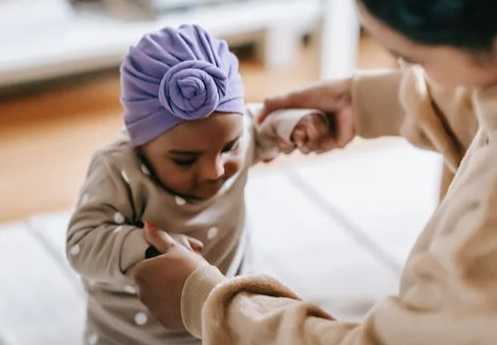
[181, 165]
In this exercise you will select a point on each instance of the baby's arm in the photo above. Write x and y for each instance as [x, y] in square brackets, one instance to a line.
[285, 131]
[103, 240]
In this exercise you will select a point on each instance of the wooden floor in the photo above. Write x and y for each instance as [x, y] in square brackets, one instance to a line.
[47, 136]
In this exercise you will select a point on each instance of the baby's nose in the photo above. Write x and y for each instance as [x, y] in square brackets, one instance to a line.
[213, 170]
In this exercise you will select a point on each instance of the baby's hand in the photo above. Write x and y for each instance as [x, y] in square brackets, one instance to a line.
[161, 240]
[311, 133]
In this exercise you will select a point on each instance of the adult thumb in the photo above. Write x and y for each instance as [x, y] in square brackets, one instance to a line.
[271, 105]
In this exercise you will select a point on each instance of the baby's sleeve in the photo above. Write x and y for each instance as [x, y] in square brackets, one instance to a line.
[279, 126]
[103, 241]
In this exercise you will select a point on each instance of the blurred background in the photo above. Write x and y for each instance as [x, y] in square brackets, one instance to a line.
[59, 81]
[347, 218]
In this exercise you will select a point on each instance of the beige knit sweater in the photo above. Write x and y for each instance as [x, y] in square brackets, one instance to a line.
[448, 291]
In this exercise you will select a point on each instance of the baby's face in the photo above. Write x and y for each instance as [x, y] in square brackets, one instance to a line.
[195, 158]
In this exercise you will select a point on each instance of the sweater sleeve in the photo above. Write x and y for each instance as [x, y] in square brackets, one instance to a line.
[376, 103]
[446, 297]
[278, 126]
[394, 103]
[102, 241]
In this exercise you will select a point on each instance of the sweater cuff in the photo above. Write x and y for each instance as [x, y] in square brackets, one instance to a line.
[197, 288]
[375, 98]
[285, 121]
[133, 249]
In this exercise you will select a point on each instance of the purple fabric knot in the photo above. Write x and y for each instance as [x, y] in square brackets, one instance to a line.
[191, 90]
[176, 75]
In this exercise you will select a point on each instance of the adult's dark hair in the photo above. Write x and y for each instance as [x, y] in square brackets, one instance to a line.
[465, 24]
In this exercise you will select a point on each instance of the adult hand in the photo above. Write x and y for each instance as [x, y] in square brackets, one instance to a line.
[333, 98]
[160, 280]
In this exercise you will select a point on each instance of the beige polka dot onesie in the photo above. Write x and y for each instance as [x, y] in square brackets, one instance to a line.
[105, 236]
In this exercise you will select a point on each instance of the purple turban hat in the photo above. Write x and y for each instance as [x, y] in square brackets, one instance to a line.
[176, 75]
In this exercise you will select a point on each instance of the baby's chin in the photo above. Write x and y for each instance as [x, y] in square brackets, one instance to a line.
[209, 190]
[196, 194]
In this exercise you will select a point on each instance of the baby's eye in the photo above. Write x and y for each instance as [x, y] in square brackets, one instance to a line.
[231, 146]
[185, 162]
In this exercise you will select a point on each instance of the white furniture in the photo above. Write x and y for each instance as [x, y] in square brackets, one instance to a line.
[81, 41]
[340, 39]
[46, 39]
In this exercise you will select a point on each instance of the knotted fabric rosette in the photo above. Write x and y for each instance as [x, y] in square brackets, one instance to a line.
[177, 75]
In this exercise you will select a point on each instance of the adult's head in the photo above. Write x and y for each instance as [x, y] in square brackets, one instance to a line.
[454, 40]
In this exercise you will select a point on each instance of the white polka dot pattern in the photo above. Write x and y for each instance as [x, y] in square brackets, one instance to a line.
[130, 289]
[74, 250]
[145, 170]
[93, 339]
[119, 218]
[180, 201]
[212, 233]
[141, 319]
[125, 176]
